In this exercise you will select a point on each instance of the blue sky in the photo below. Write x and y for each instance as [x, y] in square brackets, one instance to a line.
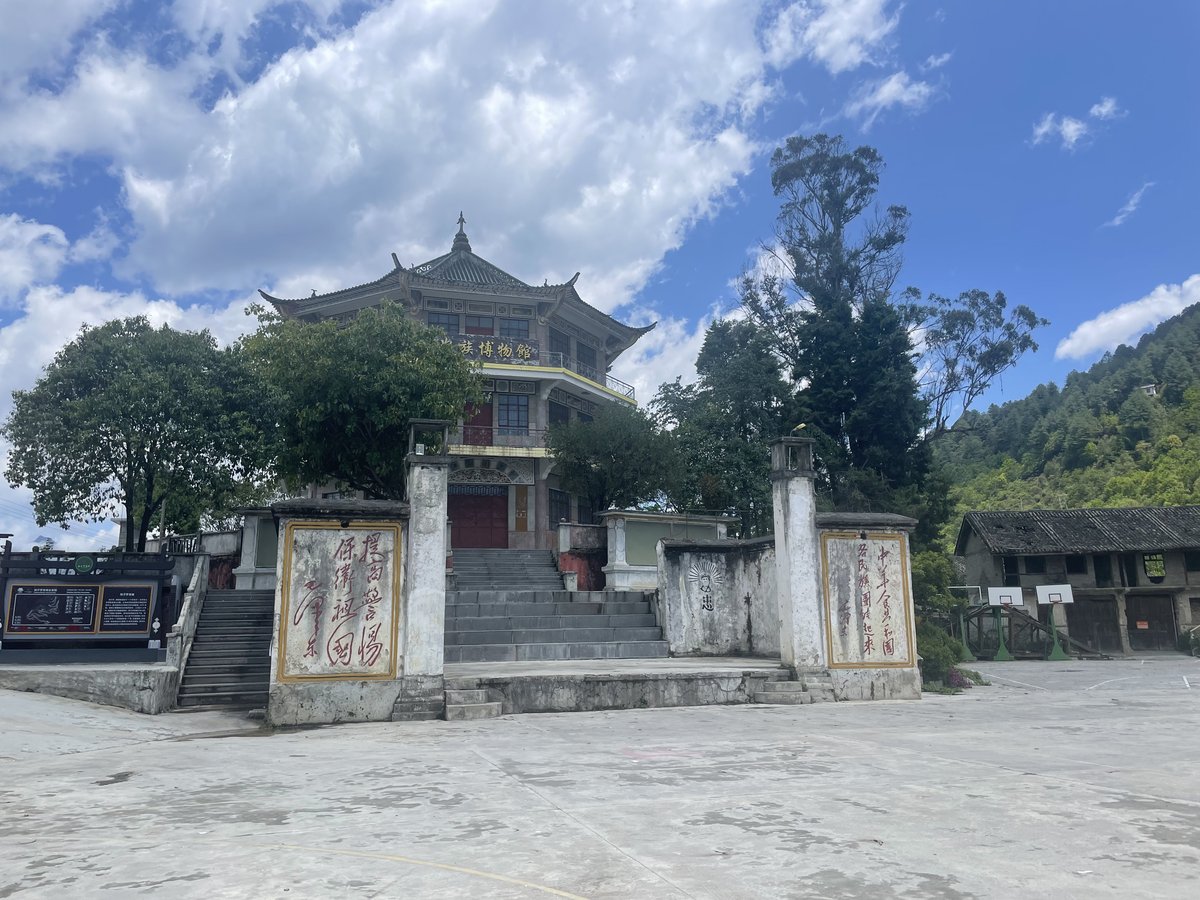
[171, 158]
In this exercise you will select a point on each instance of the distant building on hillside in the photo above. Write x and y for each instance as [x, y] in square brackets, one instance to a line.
[1134, 573]
[545, 356]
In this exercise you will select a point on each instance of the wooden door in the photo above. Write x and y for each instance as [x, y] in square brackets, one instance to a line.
[478, 515]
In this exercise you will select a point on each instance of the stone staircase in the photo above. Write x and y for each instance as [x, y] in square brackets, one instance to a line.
[466, 705]
[810, 687]
[513, 625]
[230, 664]
[520, 570]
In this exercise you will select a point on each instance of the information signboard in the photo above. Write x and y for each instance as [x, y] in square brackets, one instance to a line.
[45, 609]
[52, 608]
[126, 608]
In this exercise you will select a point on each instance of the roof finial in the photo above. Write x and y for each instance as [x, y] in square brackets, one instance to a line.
[460, 239]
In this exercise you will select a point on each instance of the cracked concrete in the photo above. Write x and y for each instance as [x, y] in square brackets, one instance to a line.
[1077, 779]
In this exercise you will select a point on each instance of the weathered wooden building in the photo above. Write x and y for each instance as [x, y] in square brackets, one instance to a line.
[1134, 573]
[545, 355]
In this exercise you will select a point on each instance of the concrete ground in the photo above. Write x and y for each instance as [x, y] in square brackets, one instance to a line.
[1077, 779]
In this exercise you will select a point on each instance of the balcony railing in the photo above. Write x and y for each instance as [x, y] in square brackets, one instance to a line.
[562, 361]
[515, 352]
[497, 436]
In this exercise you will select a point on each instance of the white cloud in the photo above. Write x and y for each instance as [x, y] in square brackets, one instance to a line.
[1130, 206]
[936, 61]
[840, 34]
[1106, 109]
[37, 35]
[30, 252]
[1071, 130]
[1067, 129]
[897, 90]
[1124, 323]
[666, 353]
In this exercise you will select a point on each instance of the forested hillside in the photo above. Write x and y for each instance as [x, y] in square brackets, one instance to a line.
[1124, 433]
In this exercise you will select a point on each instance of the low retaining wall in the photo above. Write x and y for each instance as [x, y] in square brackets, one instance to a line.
[142, 688]
[591, 693]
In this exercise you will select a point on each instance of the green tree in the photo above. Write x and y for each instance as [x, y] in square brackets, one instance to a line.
[620, 458]
[344, 393]
[966, 344]
[833, 321]
[128, 415]
[724, 424]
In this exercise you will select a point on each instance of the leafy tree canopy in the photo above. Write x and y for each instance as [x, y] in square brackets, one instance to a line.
[135, 416]
[344, 393]
[724, 423]
[621, 458]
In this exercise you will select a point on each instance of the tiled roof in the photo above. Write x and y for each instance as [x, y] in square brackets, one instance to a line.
[1060, 531]
[464, 267]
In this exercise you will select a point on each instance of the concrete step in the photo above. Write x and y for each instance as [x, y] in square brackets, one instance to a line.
[513, 623]
[458, 696]
[521, 652]
[554, 636]
[783, 687]
[204, 667]
[467, 712]
[247, 699]
[217, 651]
[790, 698]
[508, 610]
[220, 683]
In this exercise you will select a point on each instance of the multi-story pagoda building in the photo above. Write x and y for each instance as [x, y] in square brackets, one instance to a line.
[545, 355]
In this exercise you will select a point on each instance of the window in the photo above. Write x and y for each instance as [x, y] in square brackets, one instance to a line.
[584, 417]
[513, 413]
[1076, 565]
[559, 414]
[560, 507]
[515, 329]
[1035, 565]
[1102, 565]
[480, 325]
[587, 359]
[587, 515]
[1191, 559]
[445, 321]
[1155, 567]
[559, 342]
[1011, 576]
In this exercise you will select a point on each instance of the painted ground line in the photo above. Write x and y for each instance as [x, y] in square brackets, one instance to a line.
[1110, 681]
[1013, 681]
[1187, 684]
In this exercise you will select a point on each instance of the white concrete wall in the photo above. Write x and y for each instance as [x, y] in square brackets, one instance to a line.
[718, 598]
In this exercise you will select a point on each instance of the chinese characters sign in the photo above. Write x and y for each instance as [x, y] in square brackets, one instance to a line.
[340, 606]
[496, 349]
[868, 615]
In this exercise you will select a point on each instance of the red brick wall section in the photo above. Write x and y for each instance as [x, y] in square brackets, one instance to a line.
[587, 566]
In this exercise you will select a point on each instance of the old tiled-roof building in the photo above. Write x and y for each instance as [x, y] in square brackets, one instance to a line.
[1135, 573]
[544, 354]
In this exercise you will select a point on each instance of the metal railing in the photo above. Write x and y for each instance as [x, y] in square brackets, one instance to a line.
[562, 361]
[497, 436]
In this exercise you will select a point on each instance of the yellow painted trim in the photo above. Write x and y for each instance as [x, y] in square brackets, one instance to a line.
[445, 867]
[285, 591]
[567, 373]
[902, 538]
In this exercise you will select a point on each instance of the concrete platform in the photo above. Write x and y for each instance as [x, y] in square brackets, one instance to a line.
[1065, 780]
[589, 685]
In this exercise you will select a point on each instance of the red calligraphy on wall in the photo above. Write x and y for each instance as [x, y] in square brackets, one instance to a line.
[882, 558]
[359, 568]
[865, 600]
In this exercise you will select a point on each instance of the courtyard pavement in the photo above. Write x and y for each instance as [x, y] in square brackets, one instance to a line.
[1075, 779]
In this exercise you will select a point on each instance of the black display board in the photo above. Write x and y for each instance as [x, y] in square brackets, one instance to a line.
[52, 608]
[126, 609]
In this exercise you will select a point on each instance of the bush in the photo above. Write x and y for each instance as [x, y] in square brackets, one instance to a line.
[939, 652]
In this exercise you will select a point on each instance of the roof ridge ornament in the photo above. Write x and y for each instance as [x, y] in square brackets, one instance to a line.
[460, 239]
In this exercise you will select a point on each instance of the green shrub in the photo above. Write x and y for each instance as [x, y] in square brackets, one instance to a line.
[939, 652]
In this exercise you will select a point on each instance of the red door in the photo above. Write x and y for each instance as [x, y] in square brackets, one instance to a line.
[478, 428]
[478, 515]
